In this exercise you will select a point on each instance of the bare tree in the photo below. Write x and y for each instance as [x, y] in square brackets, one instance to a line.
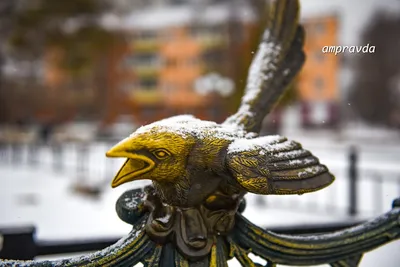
[372, 94]
[30, 29]
[7, 8]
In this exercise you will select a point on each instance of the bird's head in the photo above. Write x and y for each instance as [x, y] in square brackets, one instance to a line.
[160, 151]
[152, 153]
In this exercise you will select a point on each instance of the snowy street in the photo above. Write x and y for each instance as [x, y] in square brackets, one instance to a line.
[30, 197]
[40, 194]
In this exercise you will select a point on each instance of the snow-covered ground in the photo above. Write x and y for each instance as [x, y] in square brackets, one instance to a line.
[42, 194]
[379, 170]
[31, 196]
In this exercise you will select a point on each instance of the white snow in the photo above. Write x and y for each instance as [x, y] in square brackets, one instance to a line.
[44, 197]
[243, 112]
[265, 142]
[159, 17]
[164, 219]
[131, 202]
[300, 162]
[214, 83]
[261, 67]
[60, 213]
[292, 154]
[187, 125]
[311, 170]
[260, 72]
[387, 256]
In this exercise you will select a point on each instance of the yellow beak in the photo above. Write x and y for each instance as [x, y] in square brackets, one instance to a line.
[134, 166]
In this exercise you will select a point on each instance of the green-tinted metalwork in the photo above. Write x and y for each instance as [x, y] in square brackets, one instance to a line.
[201, 171]
[342, 248]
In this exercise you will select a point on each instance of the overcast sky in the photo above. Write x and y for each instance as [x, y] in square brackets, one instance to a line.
[354, 15]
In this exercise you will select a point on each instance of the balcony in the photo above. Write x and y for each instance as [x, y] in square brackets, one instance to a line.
[145, 45]
[211, 41]
[146, 96]
[145, 71]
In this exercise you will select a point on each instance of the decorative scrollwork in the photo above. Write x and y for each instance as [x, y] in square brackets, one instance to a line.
[341, 248]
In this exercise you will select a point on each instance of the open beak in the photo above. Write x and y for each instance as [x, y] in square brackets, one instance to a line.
[134, 166]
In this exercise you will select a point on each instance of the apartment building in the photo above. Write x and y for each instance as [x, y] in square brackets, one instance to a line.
[169, 45]
[168, 48]
[318, 87]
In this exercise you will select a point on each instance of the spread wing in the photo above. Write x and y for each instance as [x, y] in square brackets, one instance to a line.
[275, 165]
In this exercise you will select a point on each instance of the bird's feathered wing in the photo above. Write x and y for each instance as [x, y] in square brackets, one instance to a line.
[278, 59]
[275, 165]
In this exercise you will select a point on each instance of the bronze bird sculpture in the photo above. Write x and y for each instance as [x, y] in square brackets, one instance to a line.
[189, 159]
[202, 170]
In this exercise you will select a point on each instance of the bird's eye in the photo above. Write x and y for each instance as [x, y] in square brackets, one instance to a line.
[161, 153]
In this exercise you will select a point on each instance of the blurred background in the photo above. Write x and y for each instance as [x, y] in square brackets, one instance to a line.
[77, 76]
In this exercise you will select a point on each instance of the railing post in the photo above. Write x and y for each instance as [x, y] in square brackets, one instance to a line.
[16, 153]
[398, 186]
[261, 201]
[108, 171]
[33, 153]
[18, 243]
[82, 158]
[3, 150]
[378, 193]
[353, 177]
[57, 156]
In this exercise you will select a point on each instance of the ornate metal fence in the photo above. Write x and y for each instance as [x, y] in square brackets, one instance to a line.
[352, 184]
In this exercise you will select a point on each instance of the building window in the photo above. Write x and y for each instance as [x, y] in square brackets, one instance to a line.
[213, 57]
[148, 84]
[141, 60]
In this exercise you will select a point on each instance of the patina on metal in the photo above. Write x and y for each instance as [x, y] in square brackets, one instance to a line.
[202, 170]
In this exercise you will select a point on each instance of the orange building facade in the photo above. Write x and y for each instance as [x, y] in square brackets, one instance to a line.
[317, 86]
[154, 75]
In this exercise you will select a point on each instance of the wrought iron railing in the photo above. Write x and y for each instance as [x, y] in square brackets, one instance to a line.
[290, 247]
[76, 159]
[20, 243]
